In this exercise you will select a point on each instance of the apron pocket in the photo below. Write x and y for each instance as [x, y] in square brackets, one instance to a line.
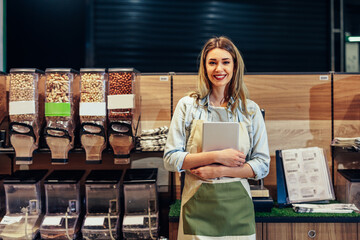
[220, 209]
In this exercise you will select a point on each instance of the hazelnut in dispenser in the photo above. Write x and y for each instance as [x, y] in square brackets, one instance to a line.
[123, 111]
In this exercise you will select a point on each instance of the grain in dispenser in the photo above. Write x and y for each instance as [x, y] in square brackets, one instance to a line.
[60, 112]
[92, 112]
[26, 95]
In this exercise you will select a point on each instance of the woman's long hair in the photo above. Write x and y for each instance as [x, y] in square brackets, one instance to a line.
[236, 87]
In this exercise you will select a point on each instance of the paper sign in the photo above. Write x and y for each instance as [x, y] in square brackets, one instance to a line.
[52, 221]
[133, 220]
[94, 221]
[7, 220]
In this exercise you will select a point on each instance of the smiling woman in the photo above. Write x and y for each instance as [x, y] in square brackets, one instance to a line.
[216, 200]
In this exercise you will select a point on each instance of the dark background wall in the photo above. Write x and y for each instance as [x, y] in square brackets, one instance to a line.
[163, 36]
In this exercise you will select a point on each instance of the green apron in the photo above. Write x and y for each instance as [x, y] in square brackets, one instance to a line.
[217, 208]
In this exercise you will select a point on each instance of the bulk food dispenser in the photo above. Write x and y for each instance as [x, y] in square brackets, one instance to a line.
[92, 112]
[63, 216]
[23, 205]
[102, 205]
[141, 217]
[26, 116]
[123, 111]
[60, 112]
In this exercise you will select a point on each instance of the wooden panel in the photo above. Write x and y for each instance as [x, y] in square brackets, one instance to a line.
[183, 84]
[346, 116]
[3, 102]
[278, 231]
[325, 231]
[173, 230]
[259, 231]
[155, 102]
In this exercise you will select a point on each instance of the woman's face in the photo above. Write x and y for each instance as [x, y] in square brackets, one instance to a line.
[219, 67]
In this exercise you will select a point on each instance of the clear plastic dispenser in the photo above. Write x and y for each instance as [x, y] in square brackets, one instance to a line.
[3, 108]
[23, 205]
[141, 217]
[63, 217]
[123, 111]
[59, 112]
[92, 112]
[102, 205]
[25, 114]
[348, 186]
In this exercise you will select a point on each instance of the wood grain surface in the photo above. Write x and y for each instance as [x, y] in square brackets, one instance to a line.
[155, 101]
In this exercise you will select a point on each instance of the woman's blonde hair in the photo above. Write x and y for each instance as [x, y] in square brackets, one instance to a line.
[236, 87]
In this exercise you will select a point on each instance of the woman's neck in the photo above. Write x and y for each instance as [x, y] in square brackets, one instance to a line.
[217, 98]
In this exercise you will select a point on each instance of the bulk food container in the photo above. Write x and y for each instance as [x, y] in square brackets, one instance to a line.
[141, 207]
[25, 97]
[60, 112]
[23, 205]
[63, 218]
[102, 205]
[348, 186]
[92, 112]
[123, 111]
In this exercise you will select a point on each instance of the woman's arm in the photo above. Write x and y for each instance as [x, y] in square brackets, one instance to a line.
[215, 171]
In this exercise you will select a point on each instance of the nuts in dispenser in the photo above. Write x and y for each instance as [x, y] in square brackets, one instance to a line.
[57, 88]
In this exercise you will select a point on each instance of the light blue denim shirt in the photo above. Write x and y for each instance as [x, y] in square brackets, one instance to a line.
[187, 110]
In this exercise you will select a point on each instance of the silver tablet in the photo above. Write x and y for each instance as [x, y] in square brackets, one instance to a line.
[220, 135]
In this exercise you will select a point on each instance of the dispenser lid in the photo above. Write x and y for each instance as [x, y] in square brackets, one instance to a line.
[123, 70]
[26, 70]
[25, 177]
[140, 175]
[353, 175]
[92, 69]
[104, 176]
[64, 176]
[65, 70]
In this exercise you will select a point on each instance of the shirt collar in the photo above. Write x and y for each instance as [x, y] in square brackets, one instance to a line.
[205, 101]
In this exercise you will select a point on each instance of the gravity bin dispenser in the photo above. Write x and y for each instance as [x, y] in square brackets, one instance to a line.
[23, 205]
[102, 205]
[123, 111]
[60, 112]
[26, 94]
[63, 217]
[92, 112]
[141, 217]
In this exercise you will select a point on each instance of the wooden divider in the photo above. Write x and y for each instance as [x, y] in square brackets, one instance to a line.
[297, 110]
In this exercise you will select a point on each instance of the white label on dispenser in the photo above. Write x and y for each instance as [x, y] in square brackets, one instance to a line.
[92, 109]
[7, 220]
[21, 107]
[94, 221]
[133, 220]
[121, 101]
[52, 221]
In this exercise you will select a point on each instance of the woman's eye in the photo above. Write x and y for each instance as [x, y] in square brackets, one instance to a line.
[212, 63]
[227, 62]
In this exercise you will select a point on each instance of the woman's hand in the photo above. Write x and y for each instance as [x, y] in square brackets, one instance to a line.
[230, 157]
[209, 171]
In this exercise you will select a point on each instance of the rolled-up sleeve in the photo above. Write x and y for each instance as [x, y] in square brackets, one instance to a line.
[175, 153]
[260, 157]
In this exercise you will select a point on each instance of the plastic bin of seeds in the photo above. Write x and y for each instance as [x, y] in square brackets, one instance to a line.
[24, 111]
[92, 111]
[60, 107]
[121, 94]
[3, 104]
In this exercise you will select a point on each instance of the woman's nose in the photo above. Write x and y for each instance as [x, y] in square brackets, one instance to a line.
[218, 67]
